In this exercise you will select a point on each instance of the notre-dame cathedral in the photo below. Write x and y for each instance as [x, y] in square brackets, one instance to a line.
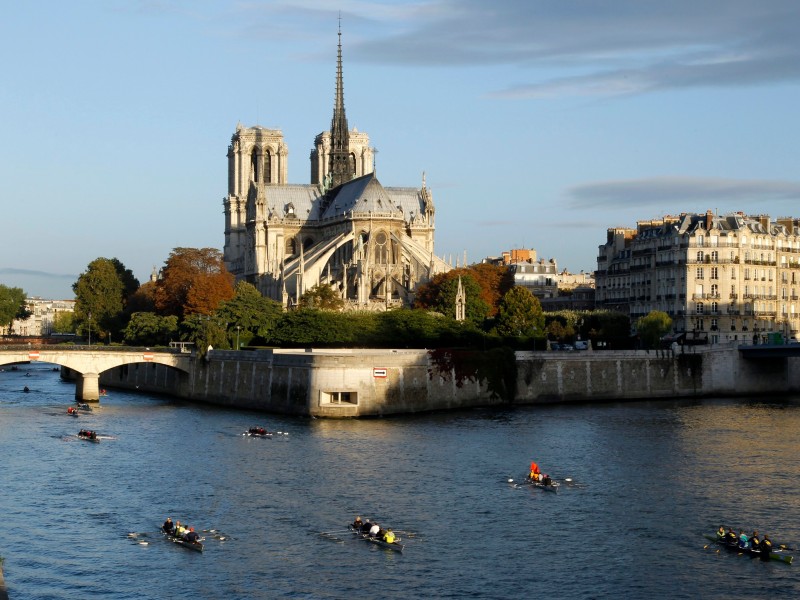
[372, 244]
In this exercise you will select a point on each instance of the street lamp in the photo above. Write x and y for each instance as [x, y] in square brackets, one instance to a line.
[90, 328]
[237, 337]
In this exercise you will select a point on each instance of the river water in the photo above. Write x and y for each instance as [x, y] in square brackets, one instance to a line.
[649, 480]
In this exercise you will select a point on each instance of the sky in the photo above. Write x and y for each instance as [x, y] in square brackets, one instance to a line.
[538, 124]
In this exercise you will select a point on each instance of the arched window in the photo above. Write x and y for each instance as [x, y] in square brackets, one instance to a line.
[291, 246]
[254, 174]
[268, 167]
[381, 248]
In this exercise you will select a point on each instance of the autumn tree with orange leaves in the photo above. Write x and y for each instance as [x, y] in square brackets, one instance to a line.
[493, 280]
[193, 281]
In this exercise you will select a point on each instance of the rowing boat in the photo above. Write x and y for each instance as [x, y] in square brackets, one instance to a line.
[395, 545]
[196, 546]
[260, 434]
[553, 486]
[87, 435]
[776, 553]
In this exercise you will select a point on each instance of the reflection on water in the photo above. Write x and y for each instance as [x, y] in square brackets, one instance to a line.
[651, 478]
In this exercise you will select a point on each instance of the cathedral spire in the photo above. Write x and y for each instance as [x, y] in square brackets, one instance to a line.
[339, 167]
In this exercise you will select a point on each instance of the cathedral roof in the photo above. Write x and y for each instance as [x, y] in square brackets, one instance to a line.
[366, 195]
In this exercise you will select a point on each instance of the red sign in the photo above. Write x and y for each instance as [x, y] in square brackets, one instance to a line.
[33, 355]
[147, 356]
[379, 372]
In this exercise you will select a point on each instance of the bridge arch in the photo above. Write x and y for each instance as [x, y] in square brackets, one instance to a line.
[90, 361]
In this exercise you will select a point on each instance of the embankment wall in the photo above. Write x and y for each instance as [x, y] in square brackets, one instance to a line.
[357, 383]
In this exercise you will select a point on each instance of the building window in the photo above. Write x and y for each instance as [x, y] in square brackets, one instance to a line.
[699, 273]
[714, 308]
[698, 308]
[714, 256]
[714, 325]
[700, 256]
[714, 273]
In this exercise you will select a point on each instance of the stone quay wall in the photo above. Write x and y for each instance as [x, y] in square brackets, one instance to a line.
[359, 383]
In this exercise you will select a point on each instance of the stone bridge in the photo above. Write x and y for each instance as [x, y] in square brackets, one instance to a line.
[90, 361]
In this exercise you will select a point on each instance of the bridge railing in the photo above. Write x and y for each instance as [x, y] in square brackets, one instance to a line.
[87, 348]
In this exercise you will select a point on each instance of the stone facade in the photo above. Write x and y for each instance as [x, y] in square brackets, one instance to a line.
[373, 244]
[731, 277]
[42, 318]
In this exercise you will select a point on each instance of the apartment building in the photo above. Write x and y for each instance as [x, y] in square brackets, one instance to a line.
[730, 277]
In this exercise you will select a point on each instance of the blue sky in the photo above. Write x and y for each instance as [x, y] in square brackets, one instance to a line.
[539, 124]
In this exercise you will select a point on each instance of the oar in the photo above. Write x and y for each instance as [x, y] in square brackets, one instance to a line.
[334, 532]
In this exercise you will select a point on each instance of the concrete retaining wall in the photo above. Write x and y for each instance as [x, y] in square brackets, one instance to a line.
[353, 383]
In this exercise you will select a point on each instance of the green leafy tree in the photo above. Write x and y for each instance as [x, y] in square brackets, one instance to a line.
[252, 313]
[652, 327]
[520, 314]
[204, 331]
[306, 326]
[440, 295]
[63, 322]
[99, 299]
[150, 329]
[12, 305]
[323, 297]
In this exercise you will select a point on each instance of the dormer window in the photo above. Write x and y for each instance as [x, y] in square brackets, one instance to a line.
[290, 210]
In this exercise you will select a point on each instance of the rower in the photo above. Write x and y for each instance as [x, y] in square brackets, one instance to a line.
[357, 523]
[191, 536]
[743, 540]
[730, 538]
[373, 531]
[365, 527]
[168, 526]
[755, 543]
[766, 546]
[388, 537]
[534, 472]
[721, 533]
[179, 529]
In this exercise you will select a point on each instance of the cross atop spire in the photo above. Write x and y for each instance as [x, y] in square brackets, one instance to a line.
[339, 166]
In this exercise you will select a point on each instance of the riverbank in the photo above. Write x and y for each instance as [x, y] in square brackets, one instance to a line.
[361, 383]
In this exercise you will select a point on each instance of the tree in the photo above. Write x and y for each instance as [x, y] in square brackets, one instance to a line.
[193, 281]
[495, 282]
[99, 298]
[254, 314]
[63, 322]
[652, 327]
[150, 329]
[321, 296]
[440, 295]
[143, 299]
[520, 314]
[203, 331]
[13, 305]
